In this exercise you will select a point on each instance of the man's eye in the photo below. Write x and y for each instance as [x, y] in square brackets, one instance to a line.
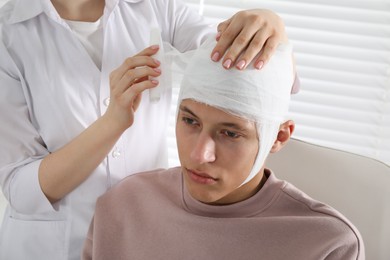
[189, 121]
[230, 134]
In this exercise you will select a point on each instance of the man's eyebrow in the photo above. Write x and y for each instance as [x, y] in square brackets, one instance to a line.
[186, 109]
[233, 125]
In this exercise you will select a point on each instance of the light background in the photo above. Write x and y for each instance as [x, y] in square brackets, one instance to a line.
[342, 50]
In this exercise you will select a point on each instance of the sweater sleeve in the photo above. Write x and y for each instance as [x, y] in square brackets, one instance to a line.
[350, 251]
[187, 28]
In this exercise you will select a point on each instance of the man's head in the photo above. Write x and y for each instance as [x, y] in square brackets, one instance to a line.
[228, 122]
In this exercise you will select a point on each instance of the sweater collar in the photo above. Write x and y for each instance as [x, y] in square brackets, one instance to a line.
[249, 207]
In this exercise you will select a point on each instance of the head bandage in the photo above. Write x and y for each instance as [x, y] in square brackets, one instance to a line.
[261, 96]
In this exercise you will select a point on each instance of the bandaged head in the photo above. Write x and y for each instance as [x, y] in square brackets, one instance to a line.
[261, 96]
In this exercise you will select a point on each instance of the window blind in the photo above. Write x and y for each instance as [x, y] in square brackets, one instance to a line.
[342, 50]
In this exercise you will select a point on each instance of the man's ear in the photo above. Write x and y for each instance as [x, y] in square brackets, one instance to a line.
[285, 131]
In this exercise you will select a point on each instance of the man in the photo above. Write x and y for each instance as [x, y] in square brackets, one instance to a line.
[222, 203]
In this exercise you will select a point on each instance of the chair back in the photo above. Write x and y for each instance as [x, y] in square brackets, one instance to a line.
[356, 186]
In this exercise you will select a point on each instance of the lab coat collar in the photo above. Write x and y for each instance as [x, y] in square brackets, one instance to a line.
[23, 10]
[26, 9]
[110, 4]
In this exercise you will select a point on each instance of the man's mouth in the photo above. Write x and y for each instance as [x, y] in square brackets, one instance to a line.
[201, 177]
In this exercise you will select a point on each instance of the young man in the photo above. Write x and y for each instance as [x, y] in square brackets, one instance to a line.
[222, 203]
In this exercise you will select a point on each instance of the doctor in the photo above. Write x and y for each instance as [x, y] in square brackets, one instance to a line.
[71, 81]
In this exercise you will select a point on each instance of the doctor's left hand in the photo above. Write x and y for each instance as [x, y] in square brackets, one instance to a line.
[253, 34]
[127, 83]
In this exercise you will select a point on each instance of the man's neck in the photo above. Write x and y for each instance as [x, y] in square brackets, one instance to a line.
[79, 10]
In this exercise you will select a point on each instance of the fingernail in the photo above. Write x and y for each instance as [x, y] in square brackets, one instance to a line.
[259, 65]
[156, 61]
[154, 47]
[215, 56]
[227, 63]
[241, 64]
[218, 36]
[157, 70]
[154, 81]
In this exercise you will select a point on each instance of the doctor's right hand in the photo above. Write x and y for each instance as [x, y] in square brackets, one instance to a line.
[127, 83]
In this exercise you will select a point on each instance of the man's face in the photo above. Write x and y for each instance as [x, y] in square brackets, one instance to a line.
[217, 151]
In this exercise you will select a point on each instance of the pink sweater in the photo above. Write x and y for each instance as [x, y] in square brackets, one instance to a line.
[151, 216]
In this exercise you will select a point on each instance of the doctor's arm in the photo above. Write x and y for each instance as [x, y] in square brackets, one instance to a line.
[22, 148]
[63, 170]
[253, 33]
[31, 177]
[248, 36]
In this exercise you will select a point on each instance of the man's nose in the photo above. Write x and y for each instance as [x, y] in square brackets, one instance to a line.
[204, 149]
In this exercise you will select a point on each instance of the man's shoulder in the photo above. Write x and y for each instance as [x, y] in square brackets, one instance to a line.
[148, 181]
[327, 218]
[157, 175]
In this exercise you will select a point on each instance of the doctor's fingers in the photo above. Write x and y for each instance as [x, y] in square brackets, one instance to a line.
[133, 77]
[132, 95]
[132, 63]
[268, 50]
[246, 33]
[260, 47]
[266, 40]
[149, 51]
[234, 35]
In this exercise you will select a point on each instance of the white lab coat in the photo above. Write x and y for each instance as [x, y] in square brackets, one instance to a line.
[50, 91]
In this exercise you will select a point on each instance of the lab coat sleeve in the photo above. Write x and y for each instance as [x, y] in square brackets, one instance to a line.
[22, 148]
[187, 28]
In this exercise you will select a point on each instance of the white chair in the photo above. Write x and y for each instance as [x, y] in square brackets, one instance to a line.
[357, 186]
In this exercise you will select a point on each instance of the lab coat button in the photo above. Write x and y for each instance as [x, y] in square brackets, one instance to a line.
[106, 101]
[116, 153]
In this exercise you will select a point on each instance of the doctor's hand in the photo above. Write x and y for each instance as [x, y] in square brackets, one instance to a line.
[253, 34]
[127, 83]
